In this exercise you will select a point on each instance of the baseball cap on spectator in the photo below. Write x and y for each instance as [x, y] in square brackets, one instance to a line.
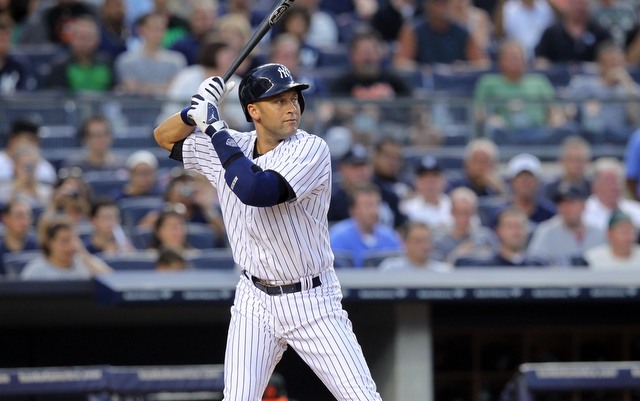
[567, 191]
[356, 155]
[142, 156]
[428, 164]
[618, 216]
[524, 162]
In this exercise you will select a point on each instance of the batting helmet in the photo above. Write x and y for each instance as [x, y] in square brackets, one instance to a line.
[266, 81]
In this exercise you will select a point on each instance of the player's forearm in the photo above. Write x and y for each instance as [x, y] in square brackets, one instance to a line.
[170, 131]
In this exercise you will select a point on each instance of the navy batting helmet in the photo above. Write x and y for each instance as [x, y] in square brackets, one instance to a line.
[266, 81]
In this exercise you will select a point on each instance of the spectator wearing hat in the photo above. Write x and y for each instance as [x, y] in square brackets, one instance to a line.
[354, 169]
[142, 166]
[431, 205]
[621, 251]
[24, 132]
[362, 233]
[524, 173]
[563, 239]
[416, 239]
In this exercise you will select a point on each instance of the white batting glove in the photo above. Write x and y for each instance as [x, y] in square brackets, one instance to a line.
[214, 89]
[206, 115]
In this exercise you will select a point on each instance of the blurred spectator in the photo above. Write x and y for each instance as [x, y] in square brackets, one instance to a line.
[563, 239]
[17, 219]
[476, 20]
[465, 235]
[417, 243]
[114, 30]
[71, 197]
[430, 204]
[201, 22]
[362, 232]
[170, 260]
[515, 106]
[15, 72]
[513, 236]
[97, 138]
[235, 30]
[621, 251]
[285, 48]
[108, 236]
[170, 232]
[296, 21]
[354, 169]
[524, 173]
[214, 58]
[149, 69]
[524, 21]
[197, 199]
[574, 158]
[608, 109]
[632, 165]
[53, 24]
[573, 38]
[83, 67]
[142, 166]
[24, 132]
[323, 31]
[607, 194]
[480, 175]
[390, 17]
[25, 183]
[437, 39]
[367, 77]
[388, 167]
[63, 255]
[618, 17]
[176, 26]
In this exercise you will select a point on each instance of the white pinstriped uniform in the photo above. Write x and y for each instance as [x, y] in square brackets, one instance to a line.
[285, 243]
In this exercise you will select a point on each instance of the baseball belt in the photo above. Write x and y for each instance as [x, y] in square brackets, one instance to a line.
[273, 289]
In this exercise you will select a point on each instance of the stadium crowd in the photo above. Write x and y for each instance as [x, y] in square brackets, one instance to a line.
[554, 73]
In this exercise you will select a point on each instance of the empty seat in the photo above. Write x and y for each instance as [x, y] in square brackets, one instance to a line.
[15, 262]
[135, 208]
[131, 261]
[199, 236]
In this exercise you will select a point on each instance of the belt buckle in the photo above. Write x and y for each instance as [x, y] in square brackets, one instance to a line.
[269, 285]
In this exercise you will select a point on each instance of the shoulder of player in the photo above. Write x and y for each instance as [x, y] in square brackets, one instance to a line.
[303, 137]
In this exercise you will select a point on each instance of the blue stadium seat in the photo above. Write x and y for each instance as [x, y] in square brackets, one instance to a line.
[343, 259]
[104, 184]
[58, 137]
[134, 137]
[199, 236]
[372, 259]
[212, 259]
[15, 262]
[135, 208]
[131, 261]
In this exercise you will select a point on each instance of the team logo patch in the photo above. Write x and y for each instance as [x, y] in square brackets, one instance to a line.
[212, 113]
[284, 72]
[231, 142]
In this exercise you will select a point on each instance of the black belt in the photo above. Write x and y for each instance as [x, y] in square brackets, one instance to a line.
[272, 289]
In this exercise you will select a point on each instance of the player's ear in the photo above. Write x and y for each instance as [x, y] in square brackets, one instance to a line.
[253, 111]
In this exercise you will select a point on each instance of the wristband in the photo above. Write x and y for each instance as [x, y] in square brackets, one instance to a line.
[185, 118]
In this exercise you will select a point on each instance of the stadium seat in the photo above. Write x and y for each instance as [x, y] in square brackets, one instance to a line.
[15, 262]
[135, 208]
[343, 259]
[131, 261]
[134, 137]
[212, 259]
[104, 186]
[58, 136]
[372, 259]
[199, 236]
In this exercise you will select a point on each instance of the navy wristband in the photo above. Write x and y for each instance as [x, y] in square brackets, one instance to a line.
[185, 118]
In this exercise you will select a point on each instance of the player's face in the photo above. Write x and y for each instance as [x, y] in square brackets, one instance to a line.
[279, 115]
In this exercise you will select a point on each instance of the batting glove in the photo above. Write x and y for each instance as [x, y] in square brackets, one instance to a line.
[206, 116]
[214, 89]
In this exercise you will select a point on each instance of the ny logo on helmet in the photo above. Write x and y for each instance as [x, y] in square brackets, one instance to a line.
[284, 72]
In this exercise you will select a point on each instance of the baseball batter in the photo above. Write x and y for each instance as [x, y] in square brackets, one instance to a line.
[274, 185]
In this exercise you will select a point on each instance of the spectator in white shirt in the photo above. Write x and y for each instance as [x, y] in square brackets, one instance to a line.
[621, 252]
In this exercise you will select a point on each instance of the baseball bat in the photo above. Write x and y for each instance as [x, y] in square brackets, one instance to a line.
[278, 9]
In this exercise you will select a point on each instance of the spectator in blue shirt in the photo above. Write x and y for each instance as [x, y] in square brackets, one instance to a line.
[15, 74]
[362, 232]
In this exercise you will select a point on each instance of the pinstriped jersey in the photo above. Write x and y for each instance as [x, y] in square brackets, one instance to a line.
[287, 241]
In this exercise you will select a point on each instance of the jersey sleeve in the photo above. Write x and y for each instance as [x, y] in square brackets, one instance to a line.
[307, 167]
[198, 155]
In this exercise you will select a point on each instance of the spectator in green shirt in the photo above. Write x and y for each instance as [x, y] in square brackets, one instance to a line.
[516, 106]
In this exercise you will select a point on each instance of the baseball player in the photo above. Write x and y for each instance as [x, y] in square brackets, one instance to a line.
[274, 185]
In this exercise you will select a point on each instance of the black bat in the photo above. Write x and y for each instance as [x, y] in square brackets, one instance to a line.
[278, 9]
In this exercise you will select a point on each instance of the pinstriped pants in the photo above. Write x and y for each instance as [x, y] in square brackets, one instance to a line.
[312, 322]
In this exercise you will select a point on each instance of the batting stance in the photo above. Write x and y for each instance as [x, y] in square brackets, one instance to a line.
[274, 185]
